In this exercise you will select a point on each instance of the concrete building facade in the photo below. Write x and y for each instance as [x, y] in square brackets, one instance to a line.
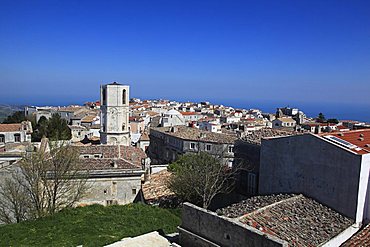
[167, 144]
[329, 168]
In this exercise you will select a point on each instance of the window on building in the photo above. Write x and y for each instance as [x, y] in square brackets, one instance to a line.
[17, 138]
[104, 95]
[124, 96]
[86, 156]
[2, 138]
[229, 163]
[231, 149]
[114, 188]
[208, 147]
[134, 191]
[192, 145]
[111, 202]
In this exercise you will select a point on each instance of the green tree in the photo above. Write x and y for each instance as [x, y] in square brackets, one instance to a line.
[198, 178]
[333, 120]
[321, 117]
[16, 117]
[55, 128]
[58, 128]
[40, 130]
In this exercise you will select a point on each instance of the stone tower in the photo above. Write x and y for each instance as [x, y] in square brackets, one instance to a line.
[114, 100]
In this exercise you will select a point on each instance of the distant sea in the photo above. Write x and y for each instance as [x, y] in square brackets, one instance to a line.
[341, 111]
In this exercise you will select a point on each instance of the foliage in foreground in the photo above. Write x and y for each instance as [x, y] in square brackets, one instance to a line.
[43, 183]
[90, 226]
[199, 177]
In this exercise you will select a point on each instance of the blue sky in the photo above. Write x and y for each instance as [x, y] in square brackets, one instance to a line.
[253, 51]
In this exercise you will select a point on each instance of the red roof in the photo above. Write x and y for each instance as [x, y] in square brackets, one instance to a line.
[362, 238]
[184, 113]
[359, 138]
[10, 127]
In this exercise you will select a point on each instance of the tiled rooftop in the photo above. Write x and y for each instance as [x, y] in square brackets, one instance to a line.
[194, 134]
[256, 136]
[361, 239]
[10, 127]
[156, 186]
[299, 220]
[113, 157]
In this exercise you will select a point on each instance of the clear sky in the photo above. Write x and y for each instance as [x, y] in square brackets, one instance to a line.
[279, 51]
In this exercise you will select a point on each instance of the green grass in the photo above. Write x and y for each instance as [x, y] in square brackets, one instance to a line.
[90, 226]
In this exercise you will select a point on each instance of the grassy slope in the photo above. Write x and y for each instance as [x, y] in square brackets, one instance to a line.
[90, 226]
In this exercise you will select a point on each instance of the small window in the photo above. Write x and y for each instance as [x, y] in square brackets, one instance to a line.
[134, 191]
[192, 145]
[124, 96]
[231, 149]
[105, 192]
[208, 147]
[230, 164]
[96, 156]
[86, 156]
[104, 95]
[114, 188]
[2, 138]
[17, 138]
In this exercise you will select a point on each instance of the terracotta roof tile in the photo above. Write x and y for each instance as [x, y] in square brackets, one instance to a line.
[361, 239]
[194, 134]
[156, 187]
[10, 127]
[125, 157]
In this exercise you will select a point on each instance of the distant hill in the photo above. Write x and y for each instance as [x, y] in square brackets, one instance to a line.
[6, 110]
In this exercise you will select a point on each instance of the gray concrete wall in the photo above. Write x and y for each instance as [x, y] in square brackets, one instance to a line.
[312, 166]
[200, 227]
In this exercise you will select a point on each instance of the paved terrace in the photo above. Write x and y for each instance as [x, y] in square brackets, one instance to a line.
[296, 219]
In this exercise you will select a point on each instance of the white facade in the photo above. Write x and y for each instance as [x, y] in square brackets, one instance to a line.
[210, 126]
[15, 133]
[114, 100]
[172, 118]
[283, 123]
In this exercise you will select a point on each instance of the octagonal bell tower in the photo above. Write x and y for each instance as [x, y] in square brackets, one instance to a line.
[114, 100]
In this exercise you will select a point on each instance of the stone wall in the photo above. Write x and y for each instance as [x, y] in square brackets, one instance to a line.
[106, 191]
[200, 227]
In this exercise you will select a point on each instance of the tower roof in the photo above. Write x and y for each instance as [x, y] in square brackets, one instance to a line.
[114, 83]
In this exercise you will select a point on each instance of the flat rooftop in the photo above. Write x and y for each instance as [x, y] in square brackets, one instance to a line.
[355, 140]
[299, 220]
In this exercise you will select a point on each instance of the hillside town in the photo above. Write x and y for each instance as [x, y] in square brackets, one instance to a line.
[304, 180]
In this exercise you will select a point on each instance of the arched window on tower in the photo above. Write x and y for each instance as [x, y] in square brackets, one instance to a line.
[124, 96]
[104, 95]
